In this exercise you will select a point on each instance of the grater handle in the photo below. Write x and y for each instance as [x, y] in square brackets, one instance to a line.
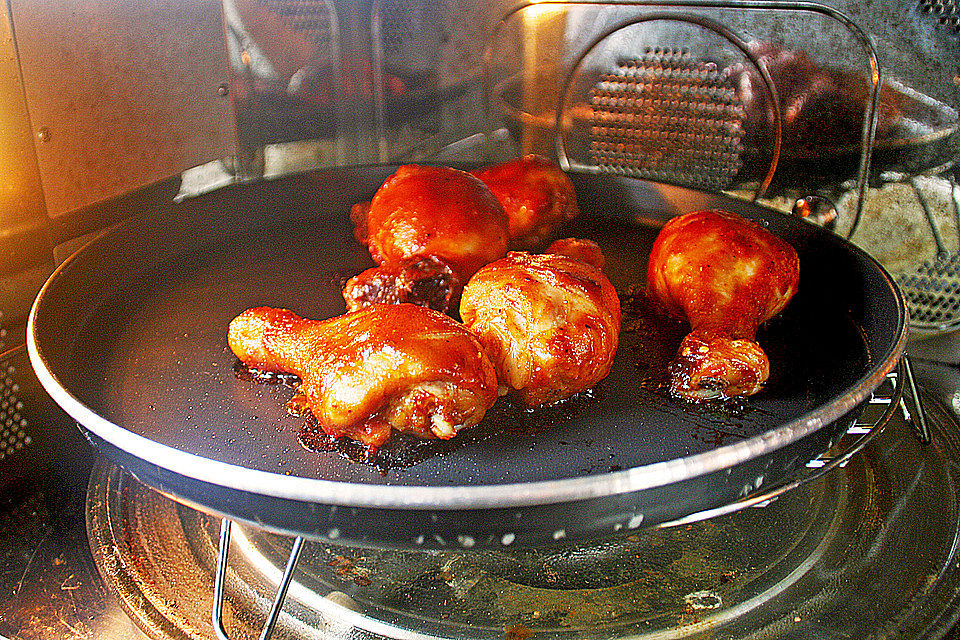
[942, 253]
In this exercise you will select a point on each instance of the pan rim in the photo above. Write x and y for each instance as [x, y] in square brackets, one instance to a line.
[450, 497]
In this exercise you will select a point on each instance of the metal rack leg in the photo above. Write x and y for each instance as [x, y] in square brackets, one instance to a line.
[913, 405]
[220, 581]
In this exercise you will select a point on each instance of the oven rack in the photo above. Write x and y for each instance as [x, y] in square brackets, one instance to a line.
[897, 392]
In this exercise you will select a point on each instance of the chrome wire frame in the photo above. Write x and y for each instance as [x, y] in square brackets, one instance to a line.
[871, 108]
[903, 391]
[220, 582]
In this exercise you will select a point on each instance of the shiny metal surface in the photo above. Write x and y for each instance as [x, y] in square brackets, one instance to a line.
[25, 241]
[667, 117]
[146, 92]
[931, 291]
[121, 95]
[50, 588]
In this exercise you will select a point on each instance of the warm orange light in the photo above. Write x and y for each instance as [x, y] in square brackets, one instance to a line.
[544, 35]
[542, 11]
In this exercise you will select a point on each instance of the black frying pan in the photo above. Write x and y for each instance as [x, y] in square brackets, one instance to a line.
[129, 337]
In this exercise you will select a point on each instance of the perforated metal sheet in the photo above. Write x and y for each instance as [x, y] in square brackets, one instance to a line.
[667, 116]
[933, 294]
[14, 425]
[14, 435]
[945, 12]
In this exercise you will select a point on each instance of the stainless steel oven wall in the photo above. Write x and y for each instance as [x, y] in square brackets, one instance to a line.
[121, 94]
[98, 99]
[24, 233]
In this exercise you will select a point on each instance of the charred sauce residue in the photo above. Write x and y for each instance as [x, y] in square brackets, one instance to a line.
[652, 338]
[655, 338]
[405, 450]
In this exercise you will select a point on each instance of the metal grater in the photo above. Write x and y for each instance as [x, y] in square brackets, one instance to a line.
[946, 13]
[932, 293]
[667, 117]
[413, 33]
[308, 16]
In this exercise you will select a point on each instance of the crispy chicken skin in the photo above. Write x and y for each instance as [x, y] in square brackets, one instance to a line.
[536, 194]
[423, 211]
[364, 374]
[549, 323]
[726, 276]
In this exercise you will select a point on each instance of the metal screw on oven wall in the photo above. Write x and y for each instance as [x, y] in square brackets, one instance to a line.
[224, 89]
[43, 134]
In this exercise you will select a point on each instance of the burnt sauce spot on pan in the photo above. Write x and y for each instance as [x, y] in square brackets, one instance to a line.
[507, 416]
[652, 338]
[810, 356]
[403, 450]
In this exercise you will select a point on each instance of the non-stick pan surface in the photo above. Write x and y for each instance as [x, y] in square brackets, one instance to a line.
[129, 336]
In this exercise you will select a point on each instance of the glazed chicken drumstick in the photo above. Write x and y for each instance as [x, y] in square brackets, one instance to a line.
[726, 276]
[550, 323]
[367, 373]
[536, 194]
[429, 229]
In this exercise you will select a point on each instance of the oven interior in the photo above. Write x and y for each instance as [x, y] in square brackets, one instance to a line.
[110, 108]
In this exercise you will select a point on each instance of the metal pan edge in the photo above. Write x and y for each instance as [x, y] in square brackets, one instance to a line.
[324, 492]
